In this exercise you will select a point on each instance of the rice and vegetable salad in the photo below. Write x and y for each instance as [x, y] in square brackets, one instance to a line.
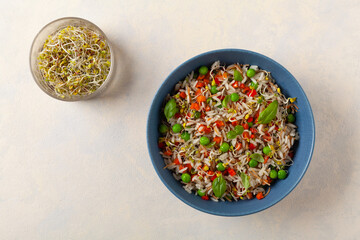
[228, 132]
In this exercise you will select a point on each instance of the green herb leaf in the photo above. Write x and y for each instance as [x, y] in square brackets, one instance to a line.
[237, 75]
[170, 109]
[245, 180]
[226, 100]
[269, 113]
[219, 186]
[211, 144]
[258, 157]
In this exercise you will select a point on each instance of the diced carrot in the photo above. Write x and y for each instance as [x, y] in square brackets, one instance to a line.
[183, 95]
[198, 92]
[217, 140]
[246, 135]
[252, 136]
[205, 197]
[206, 81]
[176, 161]
[267, 138]
[210, 172]
[234, 123]
[231, 172]
[188, 166]
[181, 167]
[253, 130]
[266, 158]
[201, 99]
[201, 76]
[250, 195]
[260, 195]
[242, 86]
[225, 75]
[195, 106]
[200, 84]
[168, 152]
[207, 108]
[246, 126]
[204, 129]
[235, 84]
[238, 146]
[219, 123]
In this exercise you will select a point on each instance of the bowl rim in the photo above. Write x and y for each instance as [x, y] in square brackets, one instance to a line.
[248, 212]
[108, 77]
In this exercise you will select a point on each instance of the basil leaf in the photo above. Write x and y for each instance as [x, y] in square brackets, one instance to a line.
[237, 75]
[245, 180]
[226, 100]
[258, 157]
[211, 144]
[269, 113]
[170, 109]
[219, 186]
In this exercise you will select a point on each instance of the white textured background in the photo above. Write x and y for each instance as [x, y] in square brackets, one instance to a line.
[82, 171]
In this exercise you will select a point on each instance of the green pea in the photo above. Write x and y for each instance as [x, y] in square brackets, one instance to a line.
[254, 85]
[203, 70]
[201, 192]
[204, 141]
[185, 177]
[239, 129]
[185, 135]
[220, 167]
[282, 174]
[224, 147]
[213, 89]
[250, 124]
[267, 150]
[250, 73]
[231, 134]
[177, 128]
[163, 128]
[197, 115]
[253, 163]
[237, 75]
[273, 174]
[291, 118]
[234, 97]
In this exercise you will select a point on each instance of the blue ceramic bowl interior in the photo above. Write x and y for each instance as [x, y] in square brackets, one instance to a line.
[304, 120]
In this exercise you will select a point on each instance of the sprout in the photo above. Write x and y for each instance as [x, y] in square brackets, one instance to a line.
[74, 61]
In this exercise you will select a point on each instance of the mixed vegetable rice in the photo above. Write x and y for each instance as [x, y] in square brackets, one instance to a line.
[228, 132]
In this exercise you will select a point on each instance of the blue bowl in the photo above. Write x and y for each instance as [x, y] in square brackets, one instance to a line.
[304, 120]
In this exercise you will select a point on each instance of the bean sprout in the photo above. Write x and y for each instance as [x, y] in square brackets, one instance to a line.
[74, 61]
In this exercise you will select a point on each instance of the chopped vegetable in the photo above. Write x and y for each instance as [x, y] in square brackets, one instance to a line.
[203, 70]
[177, 128]
[185, 177]
[163, 128]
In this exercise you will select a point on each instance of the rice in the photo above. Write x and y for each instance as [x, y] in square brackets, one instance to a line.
[203, 112]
